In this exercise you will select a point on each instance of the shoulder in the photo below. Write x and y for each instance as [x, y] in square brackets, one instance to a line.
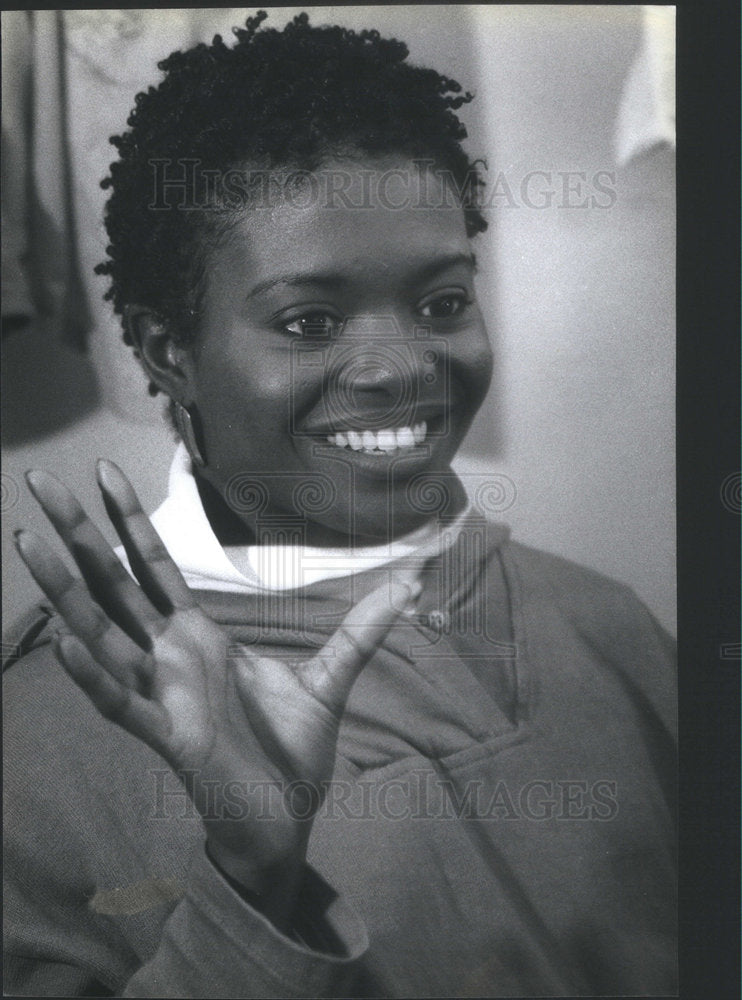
[34, 626]
[68, 772]
[53, 735]
[549, 572]
[34, 683]
[50, 737]
[566, 607]
[582, 594]
[541, 574]
[35, 687]
[49, 724]
[548, 588]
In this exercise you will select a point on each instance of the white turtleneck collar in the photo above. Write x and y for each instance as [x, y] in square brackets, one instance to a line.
[185, 530]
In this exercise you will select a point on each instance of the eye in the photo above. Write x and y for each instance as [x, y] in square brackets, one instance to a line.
[316, 324]
[445, 305]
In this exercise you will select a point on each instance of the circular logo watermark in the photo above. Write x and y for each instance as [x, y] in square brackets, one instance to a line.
[245, 494]
[9, 492]
[495, 495]
[314, 495]
[430, 495]
[731, 493]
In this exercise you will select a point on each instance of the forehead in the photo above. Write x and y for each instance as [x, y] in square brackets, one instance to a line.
[361, 217]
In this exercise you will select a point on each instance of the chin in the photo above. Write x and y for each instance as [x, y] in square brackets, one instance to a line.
[376, 520]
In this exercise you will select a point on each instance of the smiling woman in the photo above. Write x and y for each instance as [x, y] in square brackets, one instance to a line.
[314, 326]
[306, 695]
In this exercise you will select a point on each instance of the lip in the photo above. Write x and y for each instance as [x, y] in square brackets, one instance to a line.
[385, 467]
[380, 465]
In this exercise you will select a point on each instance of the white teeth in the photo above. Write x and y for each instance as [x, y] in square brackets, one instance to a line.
[419, 432]
[384, 441]
[387, 440]
[405, 437]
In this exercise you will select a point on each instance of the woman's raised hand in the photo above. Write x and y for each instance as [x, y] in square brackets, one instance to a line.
[153, 662]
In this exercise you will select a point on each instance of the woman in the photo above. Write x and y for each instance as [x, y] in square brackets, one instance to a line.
[416, 758]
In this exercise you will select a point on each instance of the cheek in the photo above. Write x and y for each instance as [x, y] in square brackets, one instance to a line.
[475, 359]
[245, 404]
[226, 380]
[482, 349]
[228, 405]
[486, 363]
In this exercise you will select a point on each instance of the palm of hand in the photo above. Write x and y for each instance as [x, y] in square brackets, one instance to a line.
[154, 663]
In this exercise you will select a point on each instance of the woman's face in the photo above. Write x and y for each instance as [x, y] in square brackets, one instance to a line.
[341, 357]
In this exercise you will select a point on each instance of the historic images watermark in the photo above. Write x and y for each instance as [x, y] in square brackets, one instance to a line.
[417, 796]
[187, 184]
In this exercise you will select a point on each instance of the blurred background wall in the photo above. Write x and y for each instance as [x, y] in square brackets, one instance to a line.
[573, 118]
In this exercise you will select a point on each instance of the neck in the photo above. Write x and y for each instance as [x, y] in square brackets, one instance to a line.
[228, 527]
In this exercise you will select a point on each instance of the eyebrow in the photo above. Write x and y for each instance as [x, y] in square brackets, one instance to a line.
[333, 279]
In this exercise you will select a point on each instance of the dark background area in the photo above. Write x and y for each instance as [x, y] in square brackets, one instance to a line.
[709, 536]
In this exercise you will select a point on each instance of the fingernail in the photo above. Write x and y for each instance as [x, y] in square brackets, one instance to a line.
[33, 477]
[102, 473]
[109, 476]
[44, 485]
[19, 536]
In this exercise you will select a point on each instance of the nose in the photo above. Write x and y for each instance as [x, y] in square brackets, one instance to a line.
[376, 369]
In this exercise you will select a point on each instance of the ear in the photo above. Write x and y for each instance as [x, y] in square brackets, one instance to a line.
[166, 363]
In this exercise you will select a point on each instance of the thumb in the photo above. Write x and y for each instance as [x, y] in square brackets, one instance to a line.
[332, 672]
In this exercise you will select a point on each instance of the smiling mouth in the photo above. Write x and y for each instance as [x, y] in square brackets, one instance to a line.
[387, 441]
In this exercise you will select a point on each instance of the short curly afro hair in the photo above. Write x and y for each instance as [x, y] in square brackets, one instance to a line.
[275, 98]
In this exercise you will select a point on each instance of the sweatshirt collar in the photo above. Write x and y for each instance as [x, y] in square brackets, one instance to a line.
[187, 534]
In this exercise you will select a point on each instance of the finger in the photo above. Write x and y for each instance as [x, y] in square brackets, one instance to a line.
[150, 561]
[107, 580]
[114, 701]
[107, 643]
[332, 672]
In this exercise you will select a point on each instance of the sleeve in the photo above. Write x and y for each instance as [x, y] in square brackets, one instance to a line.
[212, 945]
[215, 945]
[606, 615]
[647, 655]
[62, 837]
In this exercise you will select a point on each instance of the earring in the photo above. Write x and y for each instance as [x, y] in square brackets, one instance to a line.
[185, 423]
